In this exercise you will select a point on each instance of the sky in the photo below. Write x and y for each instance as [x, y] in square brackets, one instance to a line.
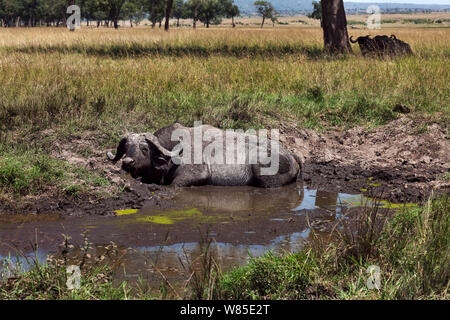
[405, 1]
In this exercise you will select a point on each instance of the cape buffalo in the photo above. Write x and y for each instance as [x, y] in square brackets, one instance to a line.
[382, 45]
[367, 45]
[175, 155]
[401, 46]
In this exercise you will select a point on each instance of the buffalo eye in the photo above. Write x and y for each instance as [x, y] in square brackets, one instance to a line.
[144, 150]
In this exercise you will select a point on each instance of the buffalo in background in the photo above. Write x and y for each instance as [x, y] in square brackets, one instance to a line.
[382, 45]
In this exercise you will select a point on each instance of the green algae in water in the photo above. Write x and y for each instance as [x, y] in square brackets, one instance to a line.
[172, 216]
[126, 212]
[381, 203]
[396, 206]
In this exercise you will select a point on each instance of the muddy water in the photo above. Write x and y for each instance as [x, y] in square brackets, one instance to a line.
[239, 221]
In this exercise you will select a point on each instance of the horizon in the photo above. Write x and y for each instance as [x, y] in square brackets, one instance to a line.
[439, 2]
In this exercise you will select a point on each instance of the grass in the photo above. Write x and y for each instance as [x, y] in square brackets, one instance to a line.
[36, 173]
[49, 281]
[270, 276]
[107, 82]
[411, 251]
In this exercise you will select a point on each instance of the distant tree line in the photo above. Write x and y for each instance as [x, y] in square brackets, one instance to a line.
[32, 13]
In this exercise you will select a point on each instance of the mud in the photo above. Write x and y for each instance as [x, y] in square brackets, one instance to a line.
[402, 161]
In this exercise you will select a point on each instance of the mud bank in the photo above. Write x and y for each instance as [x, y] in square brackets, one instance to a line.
[402, 161]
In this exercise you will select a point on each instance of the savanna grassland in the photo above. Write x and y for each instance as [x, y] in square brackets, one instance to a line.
[106, 82]
[67, 97]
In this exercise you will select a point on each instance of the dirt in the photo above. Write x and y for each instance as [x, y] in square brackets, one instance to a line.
[402, 161]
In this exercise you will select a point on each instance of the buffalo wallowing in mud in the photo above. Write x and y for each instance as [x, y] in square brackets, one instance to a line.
[382, 45]
[205, 155]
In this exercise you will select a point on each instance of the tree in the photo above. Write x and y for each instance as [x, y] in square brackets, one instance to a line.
[131, 10]
[193, 7]
[168, 14]
[94, 10]
[266, 10]
[179, 11]
[209, 11]
[156, 10]
[11, 11]
[115, 7]
[230, 10]
[334, 23]
[317, 11]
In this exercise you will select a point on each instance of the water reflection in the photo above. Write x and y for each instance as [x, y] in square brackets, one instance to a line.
[239, 199]
[314, 199]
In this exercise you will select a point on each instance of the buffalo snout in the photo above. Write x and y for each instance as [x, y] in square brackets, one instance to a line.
[128, 165]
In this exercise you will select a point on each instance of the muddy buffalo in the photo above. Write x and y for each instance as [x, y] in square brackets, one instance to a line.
[205, 155]
[382, 45]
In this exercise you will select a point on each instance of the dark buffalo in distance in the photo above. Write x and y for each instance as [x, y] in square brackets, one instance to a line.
[366, 44]
[382, 45]
[401, 46]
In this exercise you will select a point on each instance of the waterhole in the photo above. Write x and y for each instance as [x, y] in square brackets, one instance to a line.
[236, 222]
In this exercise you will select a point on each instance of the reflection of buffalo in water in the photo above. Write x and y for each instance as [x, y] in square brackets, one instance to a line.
[381, 45]
[249, 199]
[241, 199]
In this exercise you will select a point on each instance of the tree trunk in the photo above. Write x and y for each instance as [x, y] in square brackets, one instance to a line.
[207, 24]
[262, 24]
[168, 12]
[116, 23]
[178, 22]
[232, 22]
[335, 33]
[17, 22]
[195, 17]
[131, 23]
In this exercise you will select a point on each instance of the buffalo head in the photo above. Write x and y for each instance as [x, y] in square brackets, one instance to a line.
[361, 40]
[144, 157]
[366, 44]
